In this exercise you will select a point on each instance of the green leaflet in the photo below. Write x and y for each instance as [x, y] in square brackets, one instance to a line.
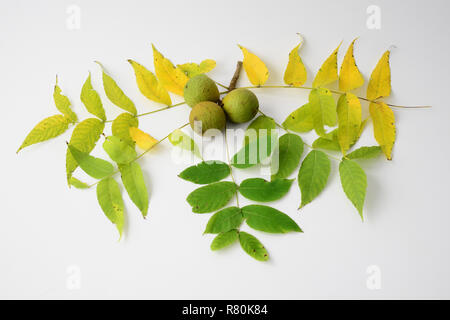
[211, 197]
[110, 200]
[349, 120]
[290, 150]
[253, 247]
[47, 129]
[354, 183]
[255, 152]
[300, 120]
[313, 175]
[95, 167]
[225, 239]
[258, 189]
[62, 103]
[329, 142]
[225, 220]
[77, 183]
[84, 137]
[268, 219]
[119, 151]
[115, 94]
[206, 172]
[263, 123]
[323, 109]
[179, 139]
[121, 127]
[91, 100]
[133, 180]
[365, 153]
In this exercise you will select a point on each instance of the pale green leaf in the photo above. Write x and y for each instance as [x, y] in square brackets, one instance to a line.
[206, 172]
[179, 139]
[77, 183]
[260, 126]
[365, 153]
[133, 180]
[253, 247]
[211, 197]
[95, 167]
[62, 103]
[323, 109]
[290, 149]
[255, 152]
[110, 200]
[225, 239]
[121, 127]
[47, 129]
[118, 150]
[225, 220]
[313, 175]
[329, 142]
[301, 120]
[268, 219]
[258, 189]
[354, 183]
[91, 100]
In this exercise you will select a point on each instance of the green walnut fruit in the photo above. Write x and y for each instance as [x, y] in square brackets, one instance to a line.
[200, 88]
[240, 105]
[210, 114]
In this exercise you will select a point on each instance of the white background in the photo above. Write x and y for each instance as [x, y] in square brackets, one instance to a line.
[47, 228]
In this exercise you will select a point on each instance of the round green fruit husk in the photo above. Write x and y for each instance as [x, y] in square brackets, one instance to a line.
[200, 88]
[210, 114]
[240, 105]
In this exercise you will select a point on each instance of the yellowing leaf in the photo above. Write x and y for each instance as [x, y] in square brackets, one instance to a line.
[91, 100]
[256, 70]
[121, 127]
[323, 110]
[350, 78]
[115, 94]
[47, 129]
[349, 120]
[143, 140]
[149, 85]
[328, 72]
[383, 126]
[110, 200]
[84, 137]
[380, 80]
[63, 103]
[193, 69]
[295, 74]
[172, 78]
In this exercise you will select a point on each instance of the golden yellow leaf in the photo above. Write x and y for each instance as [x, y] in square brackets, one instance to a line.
[295, 74]
[143, 140]
[172, 78]
[149, 85]
[350, 78]
[349, 120]
[193, 69]
[328, 72]
[380, 80]
[383, 126]
[255, 69]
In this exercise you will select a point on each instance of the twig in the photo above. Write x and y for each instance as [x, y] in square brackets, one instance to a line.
[236, 75]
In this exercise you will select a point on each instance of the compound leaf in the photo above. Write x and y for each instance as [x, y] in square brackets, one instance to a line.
[91, 100]
[313, 175]
[47, 129]
[380, 80]
[95, 167]
[301, 120]
[149, 85]
[354, 183]
[118, 150]
[383, 126]
[133, 180]
[225, 220]
[253, 247]
[268, 219]
[206, 172]
[258, 189]
[295, 74]
[328, 72]
[110, 200]
[255, 69]
[225, 239]
[211, 197]
[172, 78]
[290, 150]
[350, 77]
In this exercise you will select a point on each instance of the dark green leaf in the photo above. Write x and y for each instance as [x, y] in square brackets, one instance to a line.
[206, 172]
[260, 126]
[255, 152]
[268, 219]
[95, 167]
[211, 197]
[289, 153]
[258, 189]
[225, 220]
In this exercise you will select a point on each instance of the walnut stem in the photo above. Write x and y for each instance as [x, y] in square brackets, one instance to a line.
[235, 78]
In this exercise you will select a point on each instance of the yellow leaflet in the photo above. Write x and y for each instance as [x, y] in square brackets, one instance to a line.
[383, 126]
[172, 78]
[295, 74]
[149, 85]
[328, 72]
[256, 70]
[193, 69]
[63, 103]
[143, 140]
[349, 120]
[380, 80]
[350, 78]
[48, 128]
